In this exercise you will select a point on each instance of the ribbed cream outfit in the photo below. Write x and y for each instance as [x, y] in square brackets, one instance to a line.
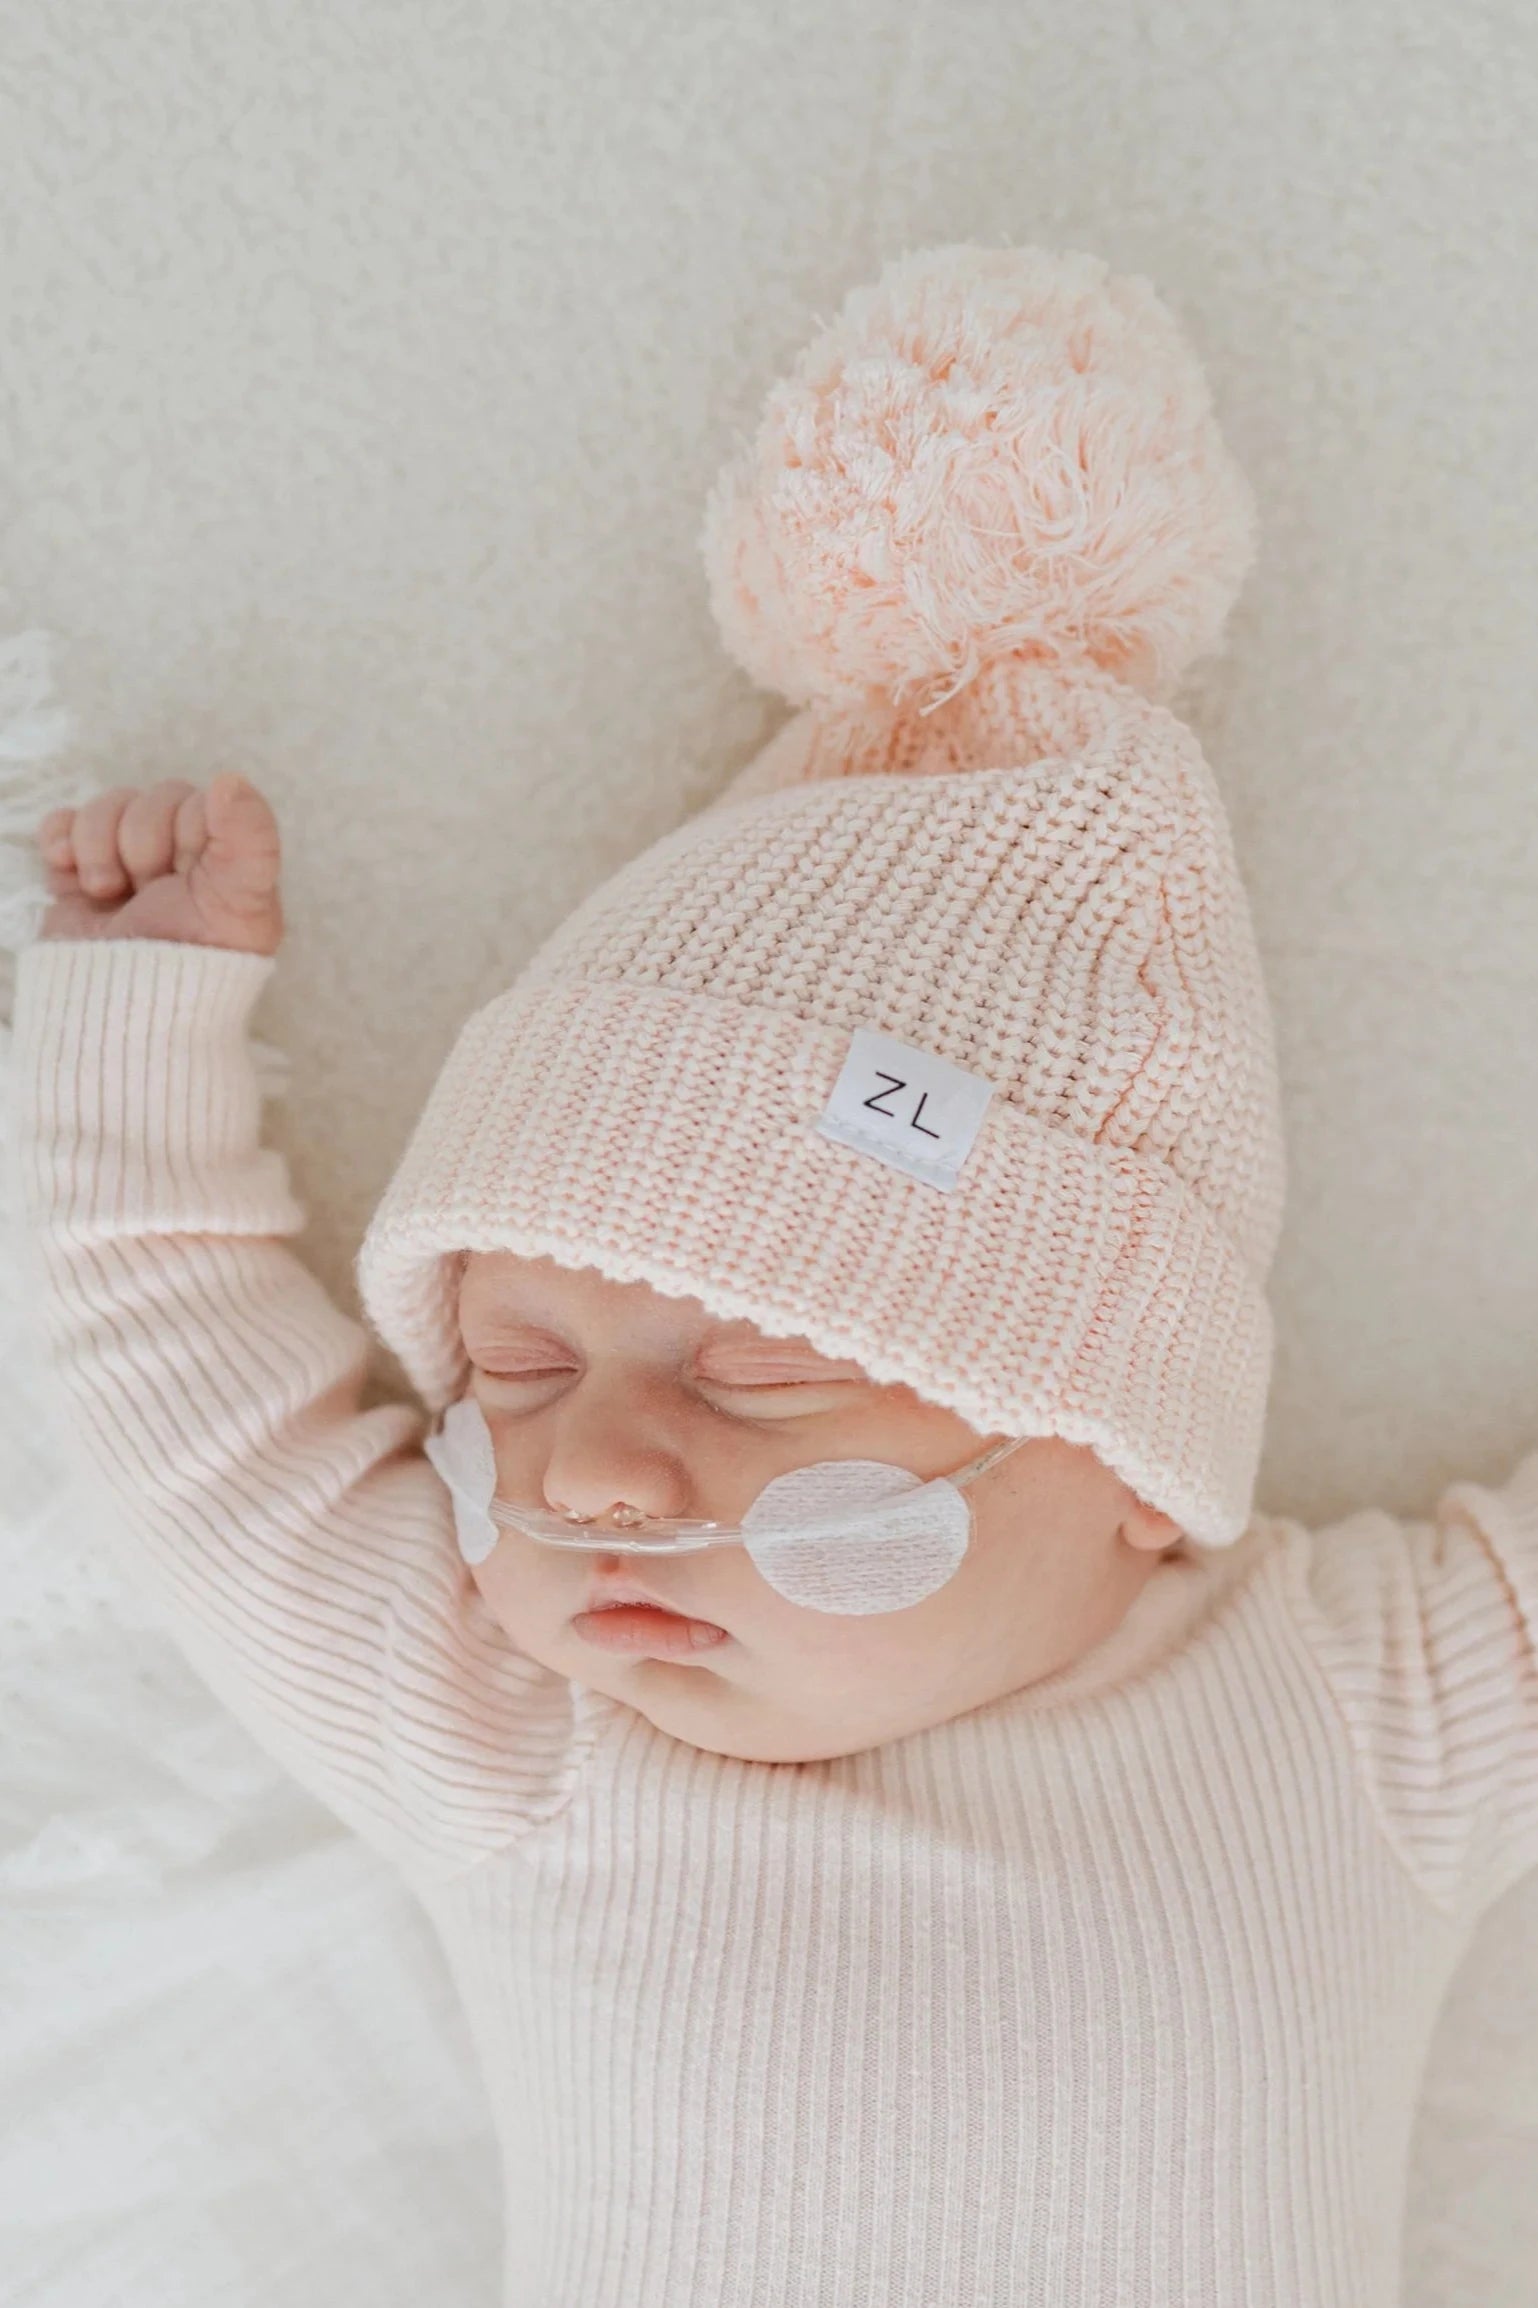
[1113, 1992]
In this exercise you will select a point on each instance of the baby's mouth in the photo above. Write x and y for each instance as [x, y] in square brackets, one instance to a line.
[626, 1618]
[614, 1594]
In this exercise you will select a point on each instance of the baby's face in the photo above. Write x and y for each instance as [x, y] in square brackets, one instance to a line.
[597, 1392]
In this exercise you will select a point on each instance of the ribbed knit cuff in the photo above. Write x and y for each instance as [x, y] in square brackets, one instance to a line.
[137, 1102]
[1509, 1513]
[1064, 1288]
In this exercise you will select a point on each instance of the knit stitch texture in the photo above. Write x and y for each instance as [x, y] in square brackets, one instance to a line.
[1069, 924]
[982, 527]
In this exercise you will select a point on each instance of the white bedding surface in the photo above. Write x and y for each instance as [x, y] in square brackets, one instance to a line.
[365, 370]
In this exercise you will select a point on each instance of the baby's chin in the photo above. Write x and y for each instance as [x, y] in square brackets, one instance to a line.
[708, 1701]
[708, 1711]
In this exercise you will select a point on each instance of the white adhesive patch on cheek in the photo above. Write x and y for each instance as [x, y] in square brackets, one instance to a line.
[857, 1536]
[463, 1455]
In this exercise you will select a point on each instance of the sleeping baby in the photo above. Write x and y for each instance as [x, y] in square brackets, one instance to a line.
[907, 1832]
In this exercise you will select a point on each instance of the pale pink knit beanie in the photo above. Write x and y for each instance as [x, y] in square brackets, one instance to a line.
[982, 528]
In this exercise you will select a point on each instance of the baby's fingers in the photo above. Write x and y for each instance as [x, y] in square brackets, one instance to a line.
[54, 833]
[97, 862]
[56, 848]
[190, 831]
[146, 835]
[244, 855]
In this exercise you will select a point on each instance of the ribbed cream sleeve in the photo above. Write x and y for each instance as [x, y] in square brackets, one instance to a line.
[1428, 1633]
[302, 1547]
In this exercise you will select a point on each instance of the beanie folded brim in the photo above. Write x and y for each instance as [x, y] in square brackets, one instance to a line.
[1060, 1288]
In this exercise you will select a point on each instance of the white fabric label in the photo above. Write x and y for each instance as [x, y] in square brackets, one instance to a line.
[910, 1109]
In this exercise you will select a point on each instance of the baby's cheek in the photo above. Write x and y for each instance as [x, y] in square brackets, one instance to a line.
[912, 1656]
[869, 1649]
[522, 1586]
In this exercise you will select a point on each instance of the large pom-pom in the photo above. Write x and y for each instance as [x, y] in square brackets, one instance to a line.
[988, 452]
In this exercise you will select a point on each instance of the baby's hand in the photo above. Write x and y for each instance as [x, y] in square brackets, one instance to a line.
[166, 861]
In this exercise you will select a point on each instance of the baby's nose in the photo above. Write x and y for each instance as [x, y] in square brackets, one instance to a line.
[604, 1469]
[620, 1512]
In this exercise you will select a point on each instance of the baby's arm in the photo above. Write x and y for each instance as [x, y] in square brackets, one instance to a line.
[1428, 1634]
[302, 1547]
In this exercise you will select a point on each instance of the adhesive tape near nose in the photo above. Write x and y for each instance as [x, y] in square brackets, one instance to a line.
[855, 1536]
[463, 1455]
[849, 1536]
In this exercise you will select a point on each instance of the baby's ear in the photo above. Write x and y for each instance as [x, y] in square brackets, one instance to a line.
[1146, 1526]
